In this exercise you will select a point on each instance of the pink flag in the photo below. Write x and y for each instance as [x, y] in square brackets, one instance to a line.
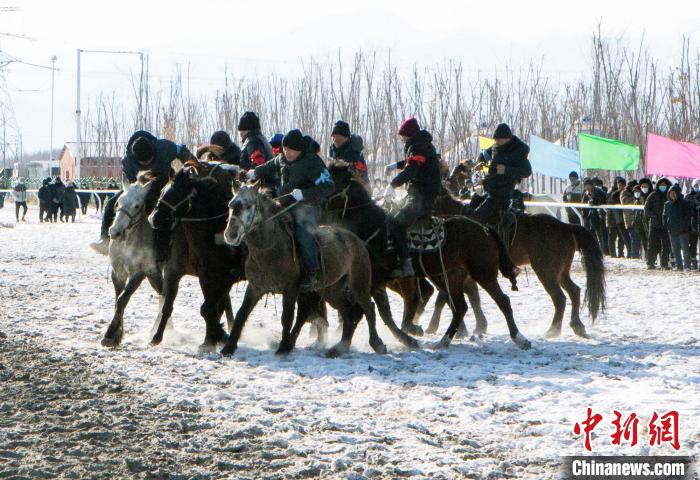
[673, 158]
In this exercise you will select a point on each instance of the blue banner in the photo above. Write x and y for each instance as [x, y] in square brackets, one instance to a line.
[552, 160]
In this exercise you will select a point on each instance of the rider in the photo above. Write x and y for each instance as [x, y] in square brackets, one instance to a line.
[230, 152]
[276, 143]
[144, 152]
[305, 184]
[421, 171]
[509, 164]
[256, 150]
[348, 147]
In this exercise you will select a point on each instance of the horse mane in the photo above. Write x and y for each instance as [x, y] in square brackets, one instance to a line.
[212, 149]
[356, 187]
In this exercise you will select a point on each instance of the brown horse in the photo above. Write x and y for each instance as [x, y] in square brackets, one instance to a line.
[548, 246]
[471, 250]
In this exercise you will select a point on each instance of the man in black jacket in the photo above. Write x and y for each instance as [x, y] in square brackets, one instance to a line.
[509, 164]
[44, 195]
[144, 152]
[617, 238]
[256, 150]
[593, 196]
[421, 171]
[230, 152]
[305, 184]
[659, 243]
[348, 148]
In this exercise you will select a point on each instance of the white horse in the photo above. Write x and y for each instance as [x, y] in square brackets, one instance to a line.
[131, 254]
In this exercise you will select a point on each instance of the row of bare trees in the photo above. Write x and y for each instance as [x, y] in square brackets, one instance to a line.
[625, 94]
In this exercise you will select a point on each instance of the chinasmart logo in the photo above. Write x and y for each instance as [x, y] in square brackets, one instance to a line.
[623, 430]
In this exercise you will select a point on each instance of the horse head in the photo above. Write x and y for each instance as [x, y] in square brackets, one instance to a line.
[175, 200]
[341, 174]
[131, 207]
[244, 208]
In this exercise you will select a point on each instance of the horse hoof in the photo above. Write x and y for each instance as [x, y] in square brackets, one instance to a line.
[111, 342]
[580, 331]
[337, 351]
[412, 329]
[479, 332]
[553, 333]
[284, 350]
[379, 348]
[441, 345]
[156, 340]
[412, 343]
[207, 347]
[522, 342]
[461, 334]
[228, 350]
[430, 330]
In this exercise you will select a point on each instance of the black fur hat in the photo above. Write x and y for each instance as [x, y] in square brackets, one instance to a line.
[249, 121]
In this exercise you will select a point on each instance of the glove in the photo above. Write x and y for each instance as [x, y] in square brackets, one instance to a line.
[250, 175]
[390, 168]
[389, 192]
[297, 195]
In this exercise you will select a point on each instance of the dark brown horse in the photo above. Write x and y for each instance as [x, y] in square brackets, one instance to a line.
[548, 246]
[470, 251]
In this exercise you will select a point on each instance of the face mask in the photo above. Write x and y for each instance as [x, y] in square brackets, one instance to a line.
[645, 190]
[662, 188]
[637, 194]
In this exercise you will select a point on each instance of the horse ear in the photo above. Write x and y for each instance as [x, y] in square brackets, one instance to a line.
[176, 165]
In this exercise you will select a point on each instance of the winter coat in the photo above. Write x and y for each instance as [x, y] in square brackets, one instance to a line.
[573, 193]
[351, 152]
[232, 155]
[166, 152]
[633, 218]
[654, 209]
[420, 168]
[256, 150]
[308, 173]
[57, 191]
[677, 214]
[19, 193]
[44, 194]
[514, 156]
[70, 201]
[596, 197]
[614, 217]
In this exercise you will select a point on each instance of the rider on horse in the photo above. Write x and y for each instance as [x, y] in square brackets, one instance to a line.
[348, 148]
[229, 152]
[421, 171]
[509, 164]
[305, 184]
[256, 149]
[144, 152]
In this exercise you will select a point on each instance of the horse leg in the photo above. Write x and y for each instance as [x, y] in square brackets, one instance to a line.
[459, 308]
[349, 321]
[250, 299]
[411, 301]
[382, 300]
[472, 291]
[171, 284]
[310, 305]
[228, 309]
[440, 302]
[113, 337]
[574, 292]
[118, 283]
[551, 286]
[289, 300]
[503, 301]
[425, 290]
[367, 307]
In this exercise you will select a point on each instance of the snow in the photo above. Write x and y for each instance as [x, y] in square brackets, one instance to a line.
[481, 408]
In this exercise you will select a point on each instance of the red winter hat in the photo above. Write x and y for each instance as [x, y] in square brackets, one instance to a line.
[409, 127]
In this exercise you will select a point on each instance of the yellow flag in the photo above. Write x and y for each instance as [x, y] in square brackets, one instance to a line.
[484, 143]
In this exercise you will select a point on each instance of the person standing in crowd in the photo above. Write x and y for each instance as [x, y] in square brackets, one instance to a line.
[57, 199]
[348, 147]
[677, 214]
[44, 195]
[70, 202]
[659, 242]
[230, 152]
[593, 196]
[573, 193]
[19, 195]
[602, 216]
[645, 188]
[627, 197]
[694, 198]
[617, 240]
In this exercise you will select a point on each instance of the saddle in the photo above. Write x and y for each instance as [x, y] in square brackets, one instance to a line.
[426, 235]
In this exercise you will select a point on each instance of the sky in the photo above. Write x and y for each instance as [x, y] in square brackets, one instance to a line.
[258, 38]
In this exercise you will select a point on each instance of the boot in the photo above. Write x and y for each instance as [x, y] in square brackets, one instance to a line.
[309, 283]
[404, 270]
[101, 247]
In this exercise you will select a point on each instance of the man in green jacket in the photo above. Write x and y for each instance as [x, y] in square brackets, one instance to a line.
[305, 182]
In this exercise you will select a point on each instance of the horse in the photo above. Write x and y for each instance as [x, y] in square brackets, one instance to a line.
[548, 246]
[131, 254]
[470, 251]
[272, 266]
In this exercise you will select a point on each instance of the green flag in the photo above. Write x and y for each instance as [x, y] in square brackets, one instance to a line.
[606, 154]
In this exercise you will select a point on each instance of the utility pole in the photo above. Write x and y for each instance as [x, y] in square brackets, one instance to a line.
[53, 71]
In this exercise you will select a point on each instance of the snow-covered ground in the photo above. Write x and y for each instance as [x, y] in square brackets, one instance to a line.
[480, 409]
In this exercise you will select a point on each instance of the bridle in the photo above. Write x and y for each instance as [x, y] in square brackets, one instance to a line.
[134, 218]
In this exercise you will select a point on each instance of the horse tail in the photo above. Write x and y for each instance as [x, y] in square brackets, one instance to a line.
[505, 263]
[595, 270]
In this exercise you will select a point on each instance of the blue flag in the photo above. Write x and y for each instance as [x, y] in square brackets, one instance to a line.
[552, 160]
